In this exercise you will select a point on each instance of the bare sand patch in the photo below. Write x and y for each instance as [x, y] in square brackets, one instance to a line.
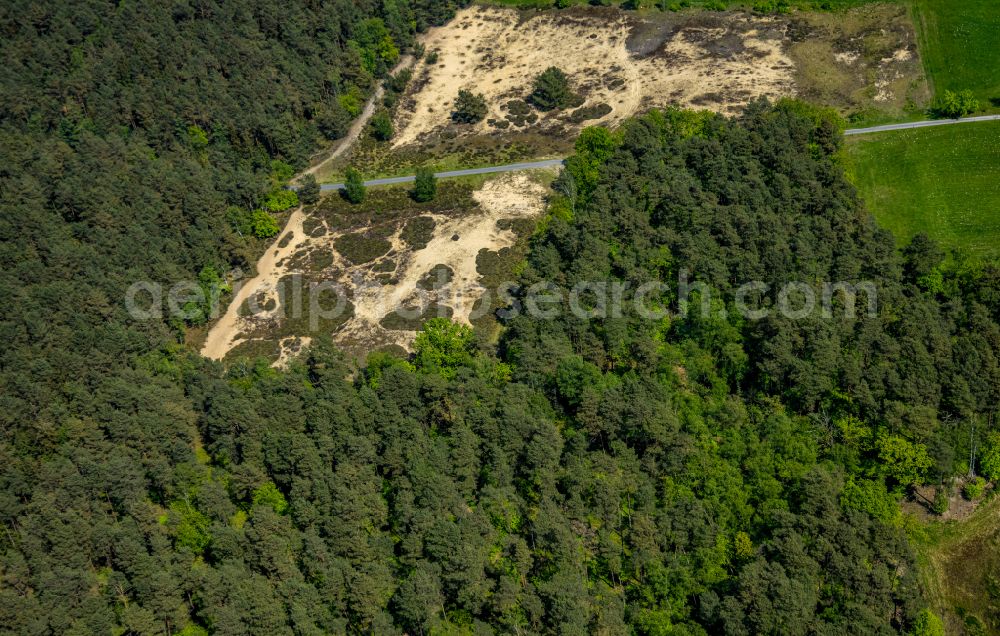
[860, 60]
[224, 334]
[381, 285]
[498, 52]
[863, 62]
[290, 347]
[622, 63]
[455, 245]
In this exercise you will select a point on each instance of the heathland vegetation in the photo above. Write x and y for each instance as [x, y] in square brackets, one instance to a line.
[863, 61]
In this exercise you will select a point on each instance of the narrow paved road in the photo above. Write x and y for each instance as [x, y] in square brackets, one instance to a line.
[548, 163]
[920, 124]
[511, 167]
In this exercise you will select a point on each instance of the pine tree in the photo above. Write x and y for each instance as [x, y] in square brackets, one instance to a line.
[469, 107]
[551, 90]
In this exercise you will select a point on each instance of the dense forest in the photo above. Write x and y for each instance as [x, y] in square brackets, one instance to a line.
[697, 474]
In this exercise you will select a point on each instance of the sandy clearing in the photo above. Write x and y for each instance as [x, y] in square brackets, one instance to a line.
[290, 347]
[509, 196]
[496, 52]
[505, 196]
[859, 60]
[224, 334]
[888, 73]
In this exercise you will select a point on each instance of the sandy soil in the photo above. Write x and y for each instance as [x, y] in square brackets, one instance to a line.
[509, 196]
[506, 196]
[959, 508]
[495, 52]
[858, 59]
[615, 60]
[224, 334]
[290, 347]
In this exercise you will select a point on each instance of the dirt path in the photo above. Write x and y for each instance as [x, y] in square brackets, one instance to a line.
[455, 244]
[358, 126]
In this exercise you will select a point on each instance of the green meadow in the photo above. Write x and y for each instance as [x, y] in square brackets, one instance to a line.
[944, 181]
[960, 44]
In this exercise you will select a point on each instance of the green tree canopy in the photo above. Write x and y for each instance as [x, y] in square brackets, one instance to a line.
[954, 105]
[551, 90]
[263, 225]
[443, 346]
[309, 190]
[354, 186]
[381, 126]
[280, 200]
[425, 185]
[469, 107]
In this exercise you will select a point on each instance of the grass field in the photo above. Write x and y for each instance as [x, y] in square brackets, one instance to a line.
[960, 44]
[944, 181]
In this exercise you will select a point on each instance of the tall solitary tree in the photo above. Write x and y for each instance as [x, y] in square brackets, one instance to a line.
[425, 187]
[354, 186]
